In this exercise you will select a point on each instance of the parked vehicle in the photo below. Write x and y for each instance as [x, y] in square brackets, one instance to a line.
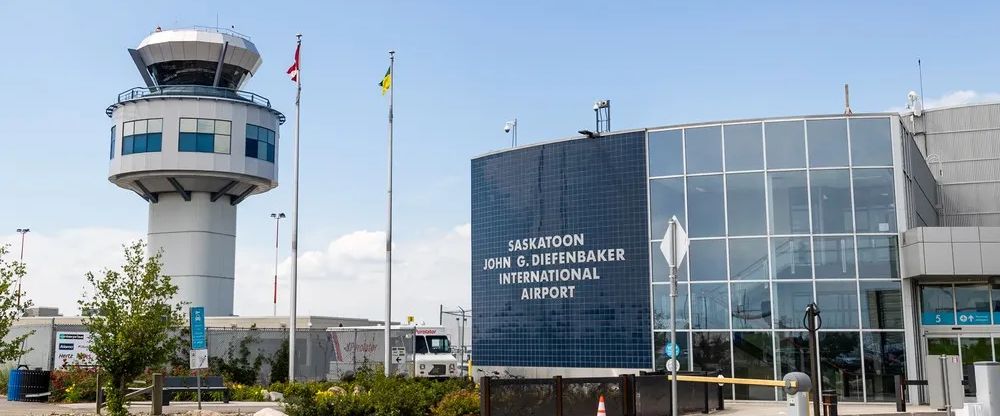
[415, 350]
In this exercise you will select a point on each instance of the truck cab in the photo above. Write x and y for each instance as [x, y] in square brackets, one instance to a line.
[432, 353]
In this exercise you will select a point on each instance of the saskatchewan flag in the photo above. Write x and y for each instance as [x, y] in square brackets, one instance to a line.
[386, 82]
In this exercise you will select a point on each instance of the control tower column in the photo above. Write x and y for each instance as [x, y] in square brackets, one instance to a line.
[198, 241]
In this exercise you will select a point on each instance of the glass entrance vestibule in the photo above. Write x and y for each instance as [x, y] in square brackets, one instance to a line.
[962, 319]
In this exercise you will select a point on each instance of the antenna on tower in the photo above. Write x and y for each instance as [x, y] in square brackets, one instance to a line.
[920, 73]
[847, 100]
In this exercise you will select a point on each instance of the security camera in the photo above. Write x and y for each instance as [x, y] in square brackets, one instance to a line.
[506, 128]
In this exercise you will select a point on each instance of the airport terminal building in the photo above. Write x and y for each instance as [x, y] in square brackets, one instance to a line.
[889, 222]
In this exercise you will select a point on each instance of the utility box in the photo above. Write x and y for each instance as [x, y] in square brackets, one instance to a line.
[944, 381]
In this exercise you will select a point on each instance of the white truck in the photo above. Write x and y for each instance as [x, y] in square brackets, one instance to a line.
[415, 350]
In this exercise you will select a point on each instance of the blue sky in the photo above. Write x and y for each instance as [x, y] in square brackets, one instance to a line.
[463, 69]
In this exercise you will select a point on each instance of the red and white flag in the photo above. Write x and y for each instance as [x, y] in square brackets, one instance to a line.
[293, 71]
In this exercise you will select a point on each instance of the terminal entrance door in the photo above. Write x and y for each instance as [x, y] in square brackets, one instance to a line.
[961, 319]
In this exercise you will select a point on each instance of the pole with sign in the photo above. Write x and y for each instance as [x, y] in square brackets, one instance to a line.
[199, 345]
[674, 247]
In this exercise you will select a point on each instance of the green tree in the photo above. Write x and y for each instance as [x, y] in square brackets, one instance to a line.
[132, 319]
[12, 306]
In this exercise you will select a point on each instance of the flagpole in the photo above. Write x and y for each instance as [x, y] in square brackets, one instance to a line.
[292, 315]
[388, 231]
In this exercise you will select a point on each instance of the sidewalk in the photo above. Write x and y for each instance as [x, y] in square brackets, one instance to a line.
[758, 408]
[47, 409]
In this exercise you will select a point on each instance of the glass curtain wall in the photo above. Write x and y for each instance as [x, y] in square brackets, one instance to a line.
[780, 214]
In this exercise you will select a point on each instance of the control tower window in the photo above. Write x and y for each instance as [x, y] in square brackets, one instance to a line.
[260, 143]
[204, 135]
[141, 136]
[190, 72]
[113, 141]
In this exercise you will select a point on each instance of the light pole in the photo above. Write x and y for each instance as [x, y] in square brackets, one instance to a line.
[22, 231]
[277, 218]
[511, 127]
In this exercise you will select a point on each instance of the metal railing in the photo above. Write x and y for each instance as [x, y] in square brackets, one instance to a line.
[195, 90]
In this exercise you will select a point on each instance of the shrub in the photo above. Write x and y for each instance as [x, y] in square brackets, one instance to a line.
[73, 385]
[243, 393]
[458, 403]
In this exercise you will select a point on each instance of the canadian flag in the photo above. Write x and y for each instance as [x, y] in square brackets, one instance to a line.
[293, 71]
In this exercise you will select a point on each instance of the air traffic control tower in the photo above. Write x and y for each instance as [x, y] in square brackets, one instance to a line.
[194, 145]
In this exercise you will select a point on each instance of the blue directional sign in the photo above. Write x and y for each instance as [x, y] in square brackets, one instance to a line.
[951, 318]
[198, 328]
[672, 350]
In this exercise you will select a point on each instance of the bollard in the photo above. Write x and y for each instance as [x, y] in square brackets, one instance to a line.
[798, 396]
[830, 403]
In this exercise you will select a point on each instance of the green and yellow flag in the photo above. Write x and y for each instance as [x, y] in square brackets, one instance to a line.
[386, 82]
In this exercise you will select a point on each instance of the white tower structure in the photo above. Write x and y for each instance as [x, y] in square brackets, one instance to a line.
[194, 145]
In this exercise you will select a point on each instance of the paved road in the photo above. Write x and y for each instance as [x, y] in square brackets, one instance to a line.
[757, 408]
[46, 409]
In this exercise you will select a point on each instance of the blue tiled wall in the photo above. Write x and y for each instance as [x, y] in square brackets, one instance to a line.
[594, 187]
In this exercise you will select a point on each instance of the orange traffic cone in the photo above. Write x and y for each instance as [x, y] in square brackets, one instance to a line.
[600, 407]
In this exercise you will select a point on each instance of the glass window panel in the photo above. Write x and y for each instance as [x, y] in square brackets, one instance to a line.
[222, 143]
[786, 144]
[791, 299]
[251, 148]
[666, 200]
[751, 305]
[154, 142]
[666, 153]
[140, 126]
[871, 142]
[937, 305]
[270, 137]
[154, 125]
[834, 257]
[874, 201]
[661, 307]
[973, 350]
[660, 340]
[838, 302]
[706, 206]
[748, 259]
[972, 304]
[840, 363]
[261, 150]
[661, 273]
[252, 131]
[745, 193]
[793, 353]
[942, 346]
[996, 304]
[129, 128]
[709, 306]
[189, 125]
[831, 201]
[703, 147]
[187, 142]
[206, 126]
[788, 194]
[707, 259]
[882, 305]
[139, 143]
[792, 258]
[206, 142]
[827, 143]
[885, 358]
[878, 256]
[113, 142]
[753, 357]
[744, 147]
[127, 145]
[710, 352]
[223, 127]
[270, 153]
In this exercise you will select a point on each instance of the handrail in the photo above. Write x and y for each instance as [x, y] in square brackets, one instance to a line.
[205, 90]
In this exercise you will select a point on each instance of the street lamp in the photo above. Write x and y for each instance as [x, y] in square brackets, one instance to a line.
[22, 231]
[277, 218]
[511, 127]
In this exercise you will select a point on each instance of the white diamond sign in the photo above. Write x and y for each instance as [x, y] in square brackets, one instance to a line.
[675, 243]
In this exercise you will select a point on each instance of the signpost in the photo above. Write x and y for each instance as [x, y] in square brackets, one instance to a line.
[199, 345]
[674, 247]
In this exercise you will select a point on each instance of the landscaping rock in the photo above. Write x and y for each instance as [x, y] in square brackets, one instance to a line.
[337, 390]
[269, 412]
[275, 396]
[202, 412]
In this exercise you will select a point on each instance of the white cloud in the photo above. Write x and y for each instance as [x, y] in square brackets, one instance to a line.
[57, 262]
[346, 278]
[954, 98]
